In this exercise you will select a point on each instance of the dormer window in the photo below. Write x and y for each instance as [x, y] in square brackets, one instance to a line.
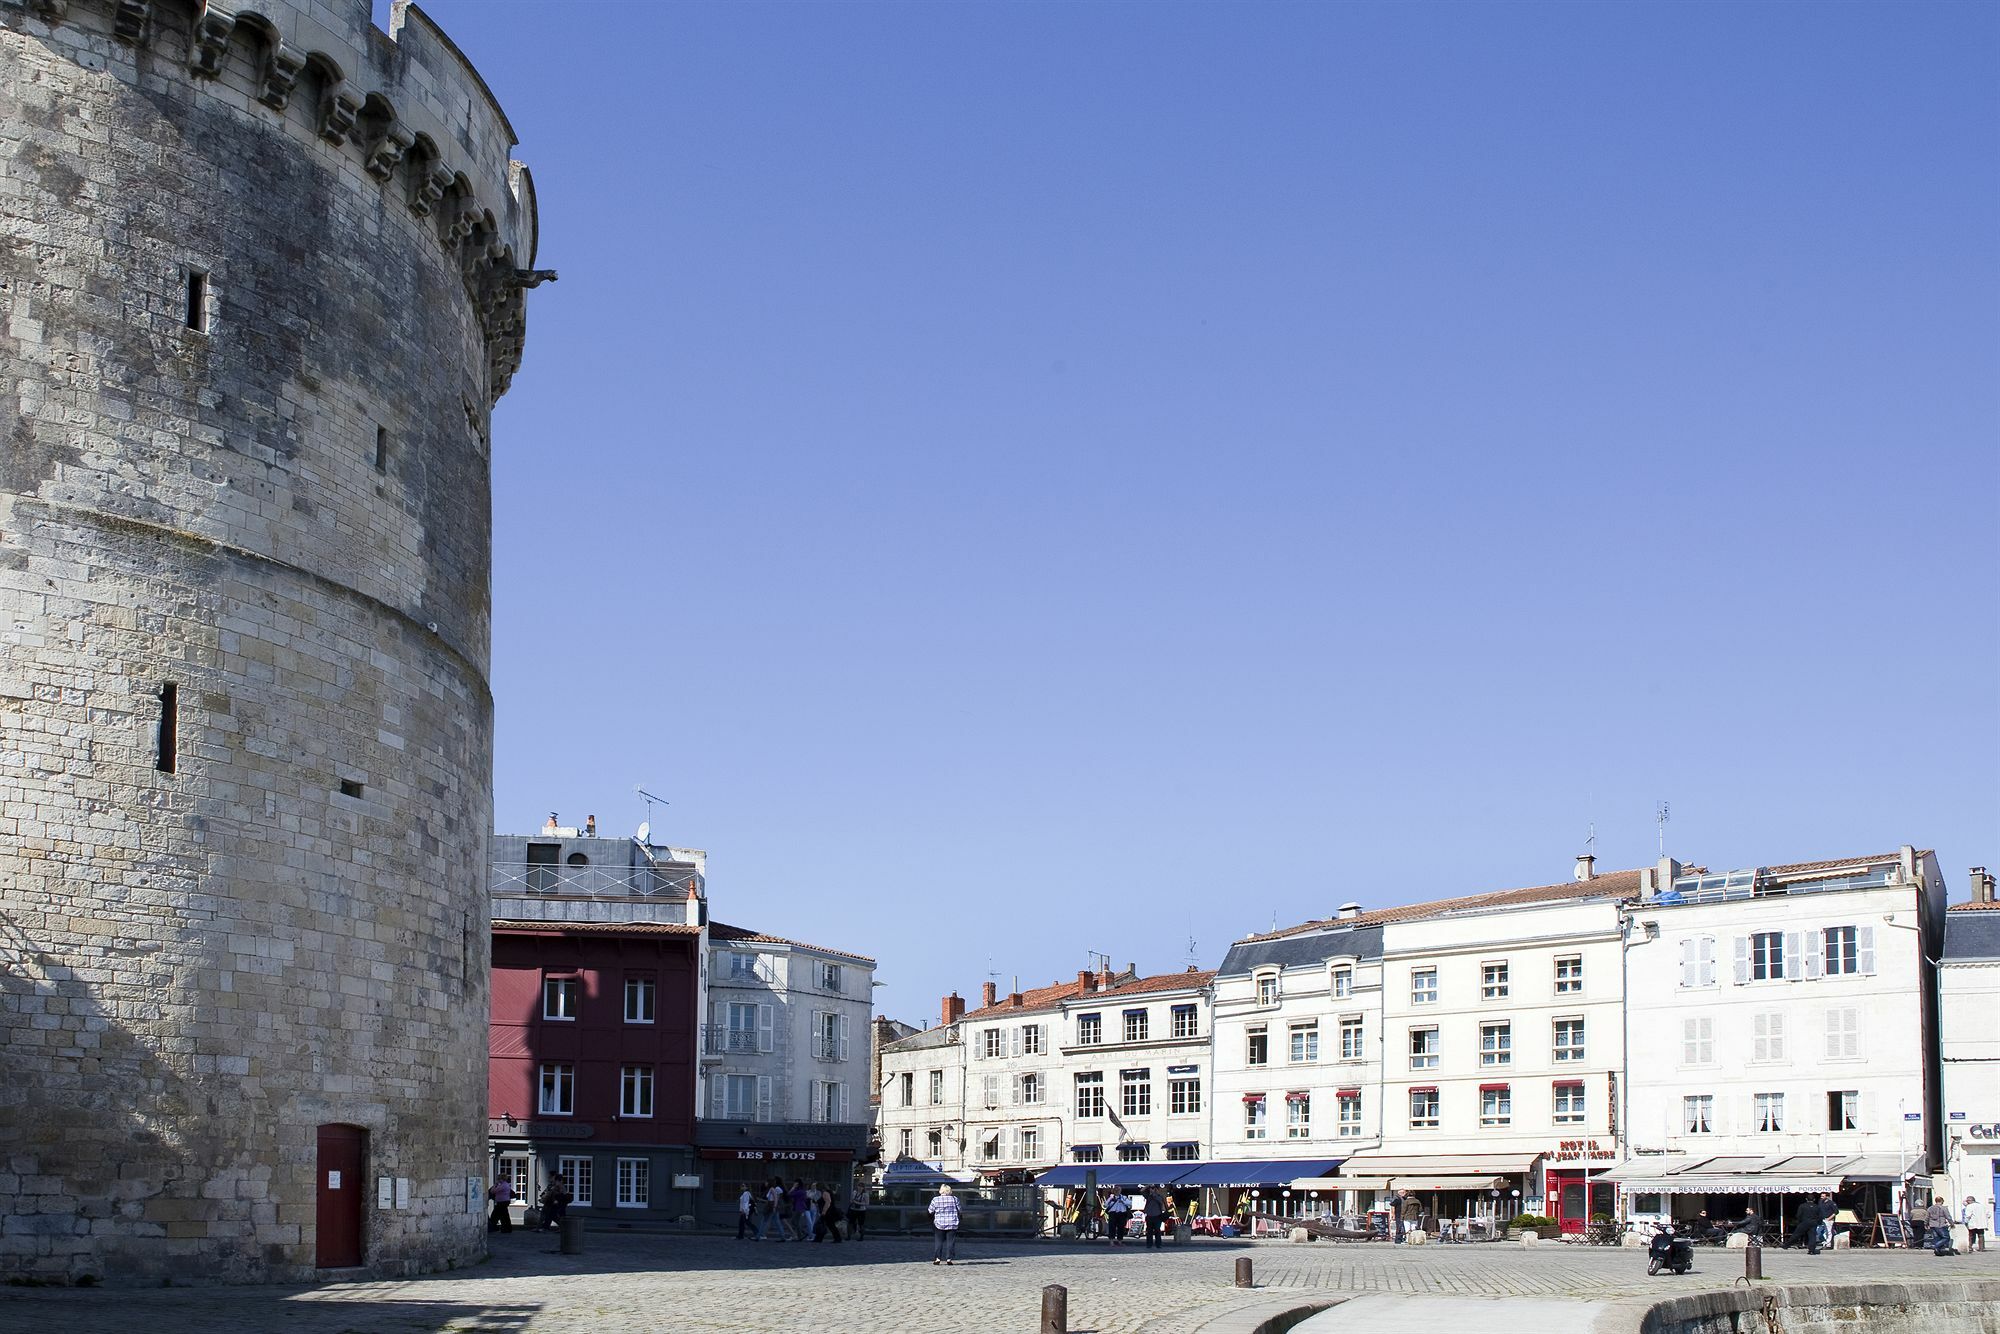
[1343, 980]
[1267, 988]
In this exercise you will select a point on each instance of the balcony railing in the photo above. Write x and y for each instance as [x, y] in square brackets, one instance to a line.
[826, 1048]
[542, 878]
[722, 1040]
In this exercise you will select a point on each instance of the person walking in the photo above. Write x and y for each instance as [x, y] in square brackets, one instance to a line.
[1396, 1214]
[773, 1217]
[1978, 1220]
[1156, 1218]
[1937, 1229]
[830, 1216]
[857, 1211]
[1828, 1207]
[801, 1202]
[502, 1195]
[1805, 1228]
[746, 1214]
[1118, 1212]
[944, 1226]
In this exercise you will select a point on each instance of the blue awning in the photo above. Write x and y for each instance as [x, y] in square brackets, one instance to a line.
[1258, 1172]
[1070, 1175]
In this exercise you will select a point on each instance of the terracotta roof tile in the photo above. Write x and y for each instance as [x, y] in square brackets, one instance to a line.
[723, 931]
[1838, 863]
[1613, 884]
[1040, 998]
[1974, 907]
[1182, 980]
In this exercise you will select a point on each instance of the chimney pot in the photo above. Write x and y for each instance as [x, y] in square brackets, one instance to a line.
[1084, 979]
[987, 993]
[1586, 867]
[1982, 885]
[1348, 910]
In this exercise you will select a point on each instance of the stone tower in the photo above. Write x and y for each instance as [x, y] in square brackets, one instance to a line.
[261, 282]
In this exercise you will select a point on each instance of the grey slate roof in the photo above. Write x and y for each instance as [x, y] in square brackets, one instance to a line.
[1972, 935]
[1302, 951]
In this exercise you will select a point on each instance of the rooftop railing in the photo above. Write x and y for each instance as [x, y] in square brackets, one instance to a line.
[603, 881]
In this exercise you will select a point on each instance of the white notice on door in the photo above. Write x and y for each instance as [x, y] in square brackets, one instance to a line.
[333, 1181]
[402, 1192]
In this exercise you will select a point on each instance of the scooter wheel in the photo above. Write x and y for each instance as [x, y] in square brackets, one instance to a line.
[1652, 1267]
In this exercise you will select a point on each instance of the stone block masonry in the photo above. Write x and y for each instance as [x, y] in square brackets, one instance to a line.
[261, 280]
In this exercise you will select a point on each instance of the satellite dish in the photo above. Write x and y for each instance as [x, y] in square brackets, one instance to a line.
[645, 831]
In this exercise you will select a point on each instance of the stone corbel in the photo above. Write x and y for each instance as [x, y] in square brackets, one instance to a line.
[462, 222]
[427, 190]
[281, 71]
[131, 20]
[388, 151]
[50, 11]
[211, 43]
[337, 110]
[525, 279]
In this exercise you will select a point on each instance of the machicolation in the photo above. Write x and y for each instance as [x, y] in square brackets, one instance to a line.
[262, 276]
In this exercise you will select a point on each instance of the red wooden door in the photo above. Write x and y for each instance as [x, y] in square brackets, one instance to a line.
[341, 1152]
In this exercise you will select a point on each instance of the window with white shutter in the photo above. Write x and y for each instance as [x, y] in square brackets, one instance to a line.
[1843, 1034]
[843, 1037]
[1808, 954]
[1742, 960]
[1767, 1037]
[1707, 962]
[1698, 1041]
[767, 1032]
[1867, 950]
[992, 1088]
[1795, 947]
[1690, 965]
[763, 1097]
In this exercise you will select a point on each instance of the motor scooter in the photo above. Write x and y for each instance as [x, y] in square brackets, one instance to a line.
[1668, 1250]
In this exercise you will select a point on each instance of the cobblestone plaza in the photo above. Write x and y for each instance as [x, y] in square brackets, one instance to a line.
[636, 1282]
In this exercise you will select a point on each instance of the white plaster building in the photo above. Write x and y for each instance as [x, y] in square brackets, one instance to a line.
[1969, 984]
[1503, 1045]
[784, 1060]
[1297, 1054]
[1782, 1030]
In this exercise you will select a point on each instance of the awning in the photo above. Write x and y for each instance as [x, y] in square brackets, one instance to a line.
[1378, 1167]
[1268, 1172]
[1420, 1182]
[1070, 1175]
[1793, 1174]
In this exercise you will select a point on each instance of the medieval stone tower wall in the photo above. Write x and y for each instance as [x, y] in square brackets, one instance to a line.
[261, 282]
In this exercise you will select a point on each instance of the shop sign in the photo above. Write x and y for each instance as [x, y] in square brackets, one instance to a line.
[1982, 1130]
[780, 1155]
[1582, 1151]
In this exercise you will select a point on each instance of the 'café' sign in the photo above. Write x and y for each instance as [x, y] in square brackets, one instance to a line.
[1982, 1130]
[1582, 1150]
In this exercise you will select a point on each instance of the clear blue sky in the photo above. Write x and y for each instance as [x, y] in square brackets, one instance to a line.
[1030, 479]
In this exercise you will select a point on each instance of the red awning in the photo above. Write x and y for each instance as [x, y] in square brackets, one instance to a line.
[1493, 1088]
[1425, 1088]
[1253, 1097]
[1298, 1095]
[1347, 1093]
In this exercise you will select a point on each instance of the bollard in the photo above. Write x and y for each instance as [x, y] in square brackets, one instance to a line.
[1753, 1259]
[1055, 1309]
[1243, 1273]
[570, 1236]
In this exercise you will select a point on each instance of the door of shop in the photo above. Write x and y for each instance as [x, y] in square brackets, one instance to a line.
[1574, 1198]
[342, 1150]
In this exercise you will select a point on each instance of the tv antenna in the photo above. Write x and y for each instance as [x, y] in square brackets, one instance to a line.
[645, 833]
[1662, 813]
[1193, 956]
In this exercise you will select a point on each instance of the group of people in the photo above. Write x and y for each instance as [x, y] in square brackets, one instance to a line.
[1116, 1210]
[554, 1203]
[800, 1212]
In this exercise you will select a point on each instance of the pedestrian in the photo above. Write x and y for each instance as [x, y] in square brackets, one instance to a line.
[776, 1205]
[1156, 1218]
[1396, 1214]
[502, 1195]
[1118, 1212]
[1978, 1219]
[1914, 1229]
[829, 1216]
[944, 1226]
[746, 1214]
[1805, 1228]
[1937, 1225]
[857, 1211]
[801, 1202]
[1828, 1207]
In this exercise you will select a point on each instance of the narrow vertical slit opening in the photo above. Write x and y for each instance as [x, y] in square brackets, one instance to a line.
[381, 449]
[166, 750]
[197, 300]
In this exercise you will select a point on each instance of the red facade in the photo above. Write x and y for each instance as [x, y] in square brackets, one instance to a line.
[599, 1042]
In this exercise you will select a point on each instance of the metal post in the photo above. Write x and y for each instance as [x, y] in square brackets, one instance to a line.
[1243, 1272]
[1753, 1259]
[1055, 1309]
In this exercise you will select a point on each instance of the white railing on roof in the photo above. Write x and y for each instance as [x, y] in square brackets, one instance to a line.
[542, 878]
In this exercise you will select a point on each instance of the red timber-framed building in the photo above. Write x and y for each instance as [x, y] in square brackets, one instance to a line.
[595, 1023]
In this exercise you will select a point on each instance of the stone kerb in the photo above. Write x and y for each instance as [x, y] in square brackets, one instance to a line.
[1942, 1306]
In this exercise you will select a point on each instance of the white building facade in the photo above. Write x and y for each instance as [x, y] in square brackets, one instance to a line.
[1969, 987]
[785, 1061]
[1783, 1035]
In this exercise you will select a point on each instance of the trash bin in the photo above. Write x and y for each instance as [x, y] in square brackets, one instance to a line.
[570, 1234]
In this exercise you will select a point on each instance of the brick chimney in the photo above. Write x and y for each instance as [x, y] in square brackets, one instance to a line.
[1085, 979]
[1014, 1000]
[1982, 885]
[988, 994]
[951, 1010]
